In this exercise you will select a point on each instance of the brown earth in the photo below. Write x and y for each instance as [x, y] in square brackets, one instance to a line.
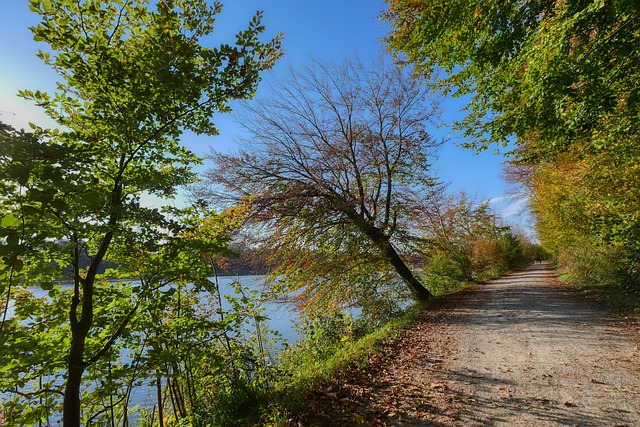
[523, 350]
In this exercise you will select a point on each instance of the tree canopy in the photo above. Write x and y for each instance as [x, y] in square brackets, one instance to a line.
[338, 161]
[562, 78]
[133, 77]
[557, 73]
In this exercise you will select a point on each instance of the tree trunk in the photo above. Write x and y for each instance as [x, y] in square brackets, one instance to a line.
[71, 404]
[419, 292]
[80, 325]
[381, 241]
[159, 395]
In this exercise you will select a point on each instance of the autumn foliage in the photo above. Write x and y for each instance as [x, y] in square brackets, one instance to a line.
[561, 80]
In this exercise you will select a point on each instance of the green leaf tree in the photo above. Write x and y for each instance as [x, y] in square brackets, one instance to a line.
[133, 78]
[553, 74]
[560, 77]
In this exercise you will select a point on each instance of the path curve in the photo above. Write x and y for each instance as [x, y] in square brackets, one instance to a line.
[522, 350]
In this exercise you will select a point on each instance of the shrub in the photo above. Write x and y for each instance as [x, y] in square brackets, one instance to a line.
[443, 275]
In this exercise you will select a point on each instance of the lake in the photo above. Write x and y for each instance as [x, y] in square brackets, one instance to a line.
[280, 313]
[280, 317]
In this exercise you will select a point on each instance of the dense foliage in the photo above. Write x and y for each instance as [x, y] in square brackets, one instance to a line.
[563, 78]
[133, 78]
[466, 243]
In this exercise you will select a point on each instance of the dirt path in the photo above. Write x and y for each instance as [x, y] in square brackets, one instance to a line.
[519, 351]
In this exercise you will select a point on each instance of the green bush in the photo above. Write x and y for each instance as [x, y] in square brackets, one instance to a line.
[511, 255]
[599, 265]
[320, 335]
[384, 302]
[443, 275]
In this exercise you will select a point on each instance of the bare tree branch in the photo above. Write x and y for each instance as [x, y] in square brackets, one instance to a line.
[337, 161]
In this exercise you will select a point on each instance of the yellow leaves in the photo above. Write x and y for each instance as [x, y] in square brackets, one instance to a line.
[140, 256]
[587, 197]
[166, 28]
[235, 215]
[223, 223]
[249, 200]
[484, 252]
[215, 225]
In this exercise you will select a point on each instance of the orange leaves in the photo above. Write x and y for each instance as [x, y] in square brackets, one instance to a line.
[484, 253]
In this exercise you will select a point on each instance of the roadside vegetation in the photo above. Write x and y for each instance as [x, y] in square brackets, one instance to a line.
[335, 192]
[617, 296]
[560, 81]
[331, 344]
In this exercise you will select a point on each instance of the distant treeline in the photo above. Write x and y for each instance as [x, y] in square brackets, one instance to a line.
[244, 262]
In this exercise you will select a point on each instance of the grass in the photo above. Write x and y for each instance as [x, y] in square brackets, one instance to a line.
[307, 373]
[621, 298]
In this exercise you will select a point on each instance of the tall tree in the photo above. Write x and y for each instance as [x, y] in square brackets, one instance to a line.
[337, 161]
[560, 76]
[134, 77]
[549, 72]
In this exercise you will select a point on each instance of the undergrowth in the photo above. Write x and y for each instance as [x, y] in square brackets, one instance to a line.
[619, 297]
[304, 370]
[610, 275]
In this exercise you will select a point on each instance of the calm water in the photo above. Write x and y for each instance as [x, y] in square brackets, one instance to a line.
[280, 314]
[280, 318]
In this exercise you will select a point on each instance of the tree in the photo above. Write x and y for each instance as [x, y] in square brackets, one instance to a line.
[134, 77]
[467, 240]
[588, 218]
[561, 77]
[337, 163]
[551, 73]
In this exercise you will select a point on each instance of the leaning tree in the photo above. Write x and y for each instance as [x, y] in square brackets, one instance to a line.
[336, 164]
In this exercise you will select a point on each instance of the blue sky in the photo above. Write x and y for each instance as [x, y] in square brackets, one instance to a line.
[327, 30]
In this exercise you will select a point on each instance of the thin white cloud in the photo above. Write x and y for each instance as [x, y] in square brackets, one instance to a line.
[516, 206]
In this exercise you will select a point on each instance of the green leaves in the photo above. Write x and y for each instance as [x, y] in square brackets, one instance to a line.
[543, 71]
[9, 220]
[46, 5]
[46, 286]
[133, 76]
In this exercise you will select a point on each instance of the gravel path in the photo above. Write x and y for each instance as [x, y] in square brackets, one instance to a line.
[519, 351]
